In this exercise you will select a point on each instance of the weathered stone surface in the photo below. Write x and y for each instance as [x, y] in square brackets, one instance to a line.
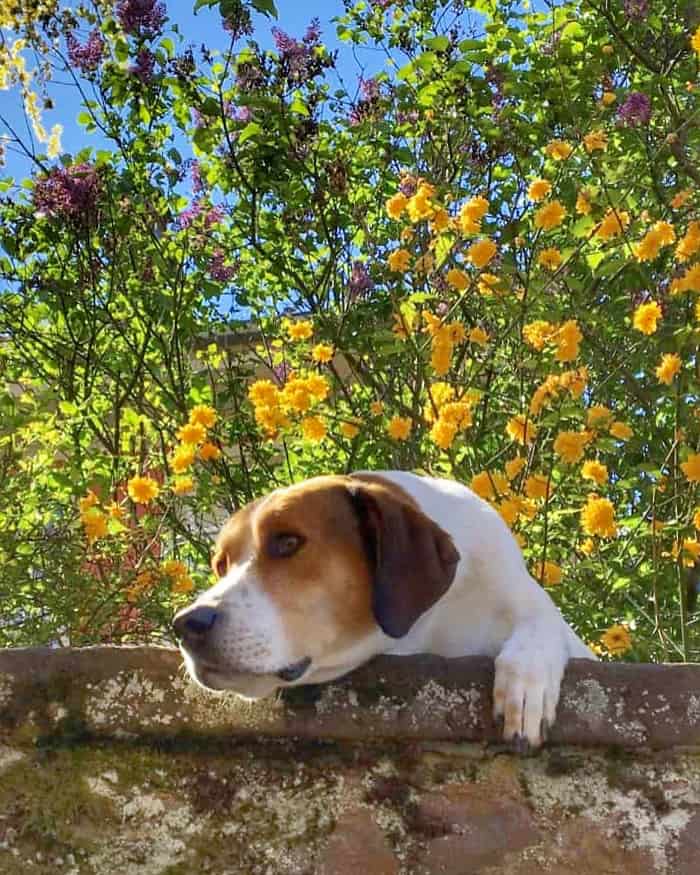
[472, 829]
[357, 847]
[112, 764]
[141, 691]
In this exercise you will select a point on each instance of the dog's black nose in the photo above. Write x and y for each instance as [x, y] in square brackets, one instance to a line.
[192, 624]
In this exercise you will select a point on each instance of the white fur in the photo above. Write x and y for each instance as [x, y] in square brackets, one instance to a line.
[493, 607]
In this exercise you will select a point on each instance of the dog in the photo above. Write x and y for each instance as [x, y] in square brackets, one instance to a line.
[317, 578]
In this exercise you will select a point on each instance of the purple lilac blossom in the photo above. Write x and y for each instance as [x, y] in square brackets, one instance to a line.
[636, 9]
[143, 68]
[141, 17]
[198, 184]
[218, 269]
[70, 192]
[86, 57]
[636, 110]
[360, 281]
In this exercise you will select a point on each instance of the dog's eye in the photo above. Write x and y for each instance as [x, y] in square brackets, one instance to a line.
[284, 545]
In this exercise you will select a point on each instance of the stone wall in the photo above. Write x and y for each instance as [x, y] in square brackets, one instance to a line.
[111, 762]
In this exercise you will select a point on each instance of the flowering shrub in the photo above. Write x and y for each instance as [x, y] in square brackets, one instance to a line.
[482, 263]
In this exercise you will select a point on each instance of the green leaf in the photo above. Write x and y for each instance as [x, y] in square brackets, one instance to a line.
[250, 130]
[438, 43]
[267, 7]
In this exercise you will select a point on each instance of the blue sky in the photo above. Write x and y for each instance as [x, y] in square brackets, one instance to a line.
[203, 28]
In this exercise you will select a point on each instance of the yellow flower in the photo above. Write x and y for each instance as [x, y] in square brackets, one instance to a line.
[396, 205]
[457, 413]
[583, 203]
[539, 189]
[202, 414]
[616, 640]
[209, 451]
[595, 140]
[669, 367]
[458, 279]
[399, 428]
[696, 519]
[349, 430]
[183, 458]
[549, 258]
[509, 509]
[313, 428]
[689, 244]
[183, 485]
[621, 431]
[550, 215]
[478, 336]
[691, 467]
[419, 206]
[88, 501]
[608, 98]
[559, 150]
[398, 260]
[588, 547]
[471, 214]
[481, 252]
[443, 433]
[695, 41]
[549, 573]
[94, 524]
[487, 484]
[660, 234]
[646, 317]
[376, 408]
[192, 433]
[487, 283]
[318, 386]
[598, 517]
[596, 471]
[142, 490]
[679, 199]
[691, 551]
[521, 429]
[614, 223]
[514, 467]
[300, 330]
[438, 394]
[537, 487]
[440, 221]
[182, 584]
[568, 338]
[538, 333]
[295, 395]
[570, 445]
[263, 393]
[322, 353]
[598, 415]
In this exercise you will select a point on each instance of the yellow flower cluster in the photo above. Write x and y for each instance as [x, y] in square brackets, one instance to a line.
[566, 337]
[558, 150]
[689, 244]
[613, 224]
[572, 381]
[659, 235]
[691, 467]
[445, 336]
[453, 417]
[596, 471]
[494, 487]
[471, 215]
[549, 258]
[539, 189]
[548, 573]
[298, 395]
[94, 520]
[521, 429]
[399, 428]
[193, 439]
[300, 329]
[481, 252]
[595, 141]
[180, 580]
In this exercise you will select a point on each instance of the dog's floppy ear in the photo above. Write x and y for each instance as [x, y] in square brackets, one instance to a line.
[412, 560]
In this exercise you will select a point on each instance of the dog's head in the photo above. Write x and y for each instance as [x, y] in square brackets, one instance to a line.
[312, 579]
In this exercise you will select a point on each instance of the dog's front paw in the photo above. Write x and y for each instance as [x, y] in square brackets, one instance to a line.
[526, 691]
